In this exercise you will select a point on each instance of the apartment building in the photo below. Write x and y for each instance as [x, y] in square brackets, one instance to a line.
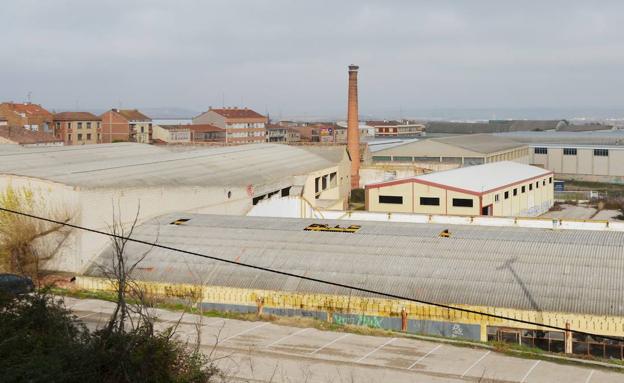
[206, 133]
[77, 128]
[396, 128]
[126, 125]
[171, 134]
[27, 115]
[241, 125]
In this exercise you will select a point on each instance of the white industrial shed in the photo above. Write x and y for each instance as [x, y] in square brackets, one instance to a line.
[90, 181]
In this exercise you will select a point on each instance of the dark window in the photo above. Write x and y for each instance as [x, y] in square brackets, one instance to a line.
[496, 197]
[88, 136]
[462, 202]
[79, 136]
[88, 125]
[537, 184]
[544, 183]
[381, 158]
[394, 199]
[430, 201]
[549, 180]
[601, 152]
[515, 193]
[285, 192]
[569, 151]
[540, 150]
[524, 189]
[506, 195]
[80, 125]
[530, 186]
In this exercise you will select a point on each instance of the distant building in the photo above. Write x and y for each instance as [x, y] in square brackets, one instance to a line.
[3, 121]
[241, 125]
[17, 135]
[172, 134]
[30, 116]
[78, 128]
[206, 133]
[396, 128]
[126, 125]
[497, 189]
[293, 135]
[451, 152]
[494, 126]
[597, 163]
[279, 133]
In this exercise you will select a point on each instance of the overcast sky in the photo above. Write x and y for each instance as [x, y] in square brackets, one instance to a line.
[291, 56]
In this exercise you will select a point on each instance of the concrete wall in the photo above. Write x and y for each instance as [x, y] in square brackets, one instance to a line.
[584, 165]
[371, 312]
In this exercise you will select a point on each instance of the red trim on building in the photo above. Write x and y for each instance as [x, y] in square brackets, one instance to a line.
[447, 187]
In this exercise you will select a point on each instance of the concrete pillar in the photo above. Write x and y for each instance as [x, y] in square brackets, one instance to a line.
[403, 319]
[568, 339]
[260, 304]
[353, 130]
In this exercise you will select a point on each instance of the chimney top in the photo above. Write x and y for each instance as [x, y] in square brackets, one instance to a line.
[353, 68]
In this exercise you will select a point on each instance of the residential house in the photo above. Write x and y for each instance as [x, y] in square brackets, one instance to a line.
[293, 135]
[172, 134]
[206, 133]
[242, 125]
[276, 133]
[126, 125]
[27, 115]
[17, 135]
[78, 128]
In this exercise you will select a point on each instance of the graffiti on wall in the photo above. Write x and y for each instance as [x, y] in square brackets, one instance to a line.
[359, 320]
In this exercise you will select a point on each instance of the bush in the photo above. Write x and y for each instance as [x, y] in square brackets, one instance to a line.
[41, 341]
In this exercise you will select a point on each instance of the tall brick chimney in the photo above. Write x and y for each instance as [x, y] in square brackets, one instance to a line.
[353, 129]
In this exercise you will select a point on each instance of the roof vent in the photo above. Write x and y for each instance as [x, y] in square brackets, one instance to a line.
[180, 221]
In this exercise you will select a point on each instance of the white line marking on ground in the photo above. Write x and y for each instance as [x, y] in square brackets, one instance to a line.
[591, 373]
[376, 349]
[475, 363]
[244, 332]
[329, 344]
[424, 356]
[528, 372]
[286, 337]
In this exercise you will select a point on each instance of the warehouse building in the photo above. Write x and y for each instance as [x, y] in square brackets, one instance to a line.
[453, 152]
[497, 189]
[557, 277]
[90, 182]
[597, 163]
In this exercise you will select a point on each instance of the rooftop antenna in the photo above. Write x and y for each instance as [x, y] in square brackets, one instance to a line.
[29, 96]
[223, 99]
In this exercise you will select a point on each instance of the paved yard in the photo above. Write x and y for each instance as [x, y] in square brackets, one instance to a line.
[581, 212]
[262, 351]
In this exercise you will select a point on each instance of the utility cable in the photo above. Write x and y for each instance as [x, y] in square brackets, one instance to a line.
[312, 279]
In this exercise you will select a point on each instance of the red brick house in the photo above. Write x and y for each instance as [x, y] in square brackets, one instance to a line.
[241, 125]
[27, 115]
[126, 125]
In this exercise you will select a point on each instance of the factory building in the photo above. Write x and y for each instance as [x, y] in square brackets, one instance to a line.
[597, 163]
[500, 189]
[557, 277]
[89, 182]
[453, 152]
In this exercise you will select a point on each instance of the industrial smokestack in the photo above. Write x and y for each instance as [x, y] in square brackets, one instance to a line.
[353, 129]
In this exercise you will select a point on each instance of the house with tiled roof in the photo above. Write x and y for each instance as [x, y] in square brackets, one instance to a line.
[17, 135]
[126, 125]
[78, 128]
[27, 115]
[241, 125]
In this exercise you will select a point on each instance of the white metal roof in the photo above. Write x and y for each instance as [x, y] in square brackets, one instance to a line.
[481, 178]
[135, 165]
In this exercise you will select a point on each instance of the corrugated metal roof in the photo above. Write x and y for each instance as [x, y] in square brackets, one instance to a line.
[534, 269]
[129, 165]
[608, 137]
[480, 178]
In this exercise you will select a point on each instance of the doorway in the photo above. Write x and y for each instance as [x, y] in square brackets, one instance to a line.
[487, 210]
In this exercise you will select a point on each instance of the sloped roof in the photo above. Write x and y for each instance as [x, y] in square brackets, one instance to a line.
[478, 179]
[23, 136]
[204, 128]
[133, 115]
[568, 271]
[480, 143]
[76, 116]
[237, 113]
[139, 165]
[28, 109]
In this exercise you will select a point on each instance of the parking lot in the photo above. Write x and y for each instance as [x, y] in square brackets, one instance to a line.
[262, 351]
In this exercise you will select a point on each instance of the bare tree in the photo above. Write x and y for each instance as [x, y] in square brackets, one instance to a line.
[27, 243]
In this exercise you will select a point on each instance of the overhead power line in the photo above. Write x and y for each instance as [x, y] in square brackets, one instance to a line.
[303, 277]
